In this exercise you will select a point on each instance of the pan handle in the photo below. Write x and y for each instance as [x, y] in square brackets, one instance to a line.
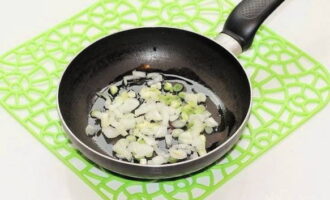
[244, 21]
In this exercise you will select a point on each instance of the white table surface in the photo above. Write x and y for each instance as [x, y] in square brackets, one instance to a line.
[297, 168]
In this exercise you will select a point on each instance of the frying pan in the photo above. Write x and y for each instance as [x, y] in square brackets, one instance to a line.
[171, 50]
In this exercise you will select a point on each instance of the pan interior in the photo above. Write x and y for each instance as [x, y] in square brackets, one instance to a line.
[168, 50]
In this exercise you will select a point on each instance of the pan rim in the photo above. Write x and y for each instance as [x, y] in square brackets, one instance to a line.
[238, 132]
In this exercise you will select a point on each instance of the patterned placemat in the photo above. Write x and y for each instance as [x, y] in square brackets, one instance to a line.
[289, 87]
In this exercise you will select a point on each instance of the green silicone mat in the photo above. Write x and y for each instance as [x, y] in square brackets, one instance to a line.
[289, 87]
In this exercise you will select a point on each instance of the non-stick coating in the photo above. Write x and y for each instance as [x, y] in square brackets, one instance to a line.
[162, 48]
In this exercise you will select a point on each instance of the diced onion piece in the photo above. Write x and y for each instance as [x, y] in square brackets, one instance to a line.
[127, 122]
[139, 74]
[191, 98]
[152, 75]
[119, 127]
[102, 116]
[140, 150]
[175, 103]
[194, 155]
[110, 132]
[113, 89]
[148, 93]
[107, 103]
[157, 160]
[172, 160]
[143, 161]
[131, 138]
[129, 105]
[151, 120]
[199, 143]
[152, 82]
[91, 130]
[205, 115]
[131, 94]
[168, 140]
[201, 97]
[177, 132]
[139, 119]
[156, 85]
[121, 149]
[128, 78]
[122, 131]
[147, 128]
[211, 122]
[161, 132]
[98, 114]
[186, 138]
[149, 140]
[197, 127]
[160, 152]
[174, 114]
[156, 78]
[177, 153]
[178, 123]
[164, 113]
[144, 108]
[185, 147]
[208, 130]
[153, 115]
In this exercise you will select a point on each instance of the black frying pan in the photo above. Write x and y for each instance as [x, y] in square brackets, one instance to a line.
[169, 50]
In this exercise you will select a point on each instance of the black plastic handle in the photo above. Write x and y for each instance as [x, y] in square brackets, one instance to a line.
[244, 21]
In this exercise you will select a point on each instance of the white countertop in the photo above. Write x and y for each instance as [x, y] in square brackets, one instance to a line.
[297, 168]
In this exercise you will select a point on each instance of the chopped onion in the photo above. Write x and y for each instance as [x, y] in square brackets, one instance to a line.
[208, 130]
[168, 140]
[174, 113]
[201, 97]
[147, 127]
[211, 122]
[139, 119]
[143, 161]
[199, 143]
[194, 155]
[149, 140]
[177, 132]
[156, 85]
[197, 127]
[129, 105]
[177, 153]
[139, 74]
[91, 130]
[121, 149]
[153, 115]
[178, 123]
[131, 94]
[110, 132]
[131, 138]
[127, 122]
[103, 117]
[186, 138]
[161, 132]
[152, 75]
[113, 89]
[128, 78]
[140, 150]
[157, 160]
[156, 78]
[144, 108]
